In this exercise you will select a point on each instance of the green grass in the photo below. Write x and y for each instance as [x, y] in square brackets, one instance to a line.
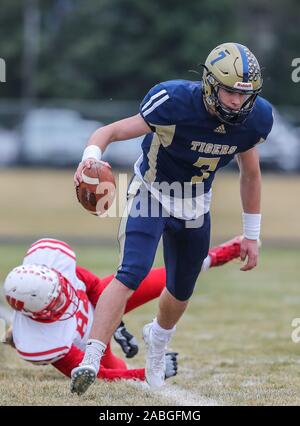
[234, 341]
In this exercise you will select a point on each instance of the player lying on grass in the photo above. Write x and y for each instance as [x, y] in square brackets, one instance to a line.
[54, 301]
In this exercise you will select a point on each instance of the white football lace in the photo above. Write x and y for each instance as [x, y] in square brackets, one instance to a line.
[157, 360]
[91, 359]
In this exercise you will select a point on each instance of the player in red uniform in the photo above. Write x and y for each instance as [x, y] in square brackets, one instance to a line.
[54, 300]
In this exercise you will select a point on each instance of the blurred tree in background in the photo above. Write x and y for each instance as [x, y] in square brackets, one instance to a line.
[117, 49]
[11, 44]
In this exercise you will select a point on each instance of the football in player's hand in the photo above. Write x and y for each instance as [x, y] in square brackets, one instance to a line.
[97, 190]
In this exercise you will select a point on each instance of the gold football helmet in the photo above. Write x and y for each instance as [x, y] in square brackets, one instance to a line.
[233, 67]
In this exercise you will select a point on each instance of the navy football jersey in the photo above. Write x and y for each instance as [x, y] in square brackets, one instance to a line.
[188, 144]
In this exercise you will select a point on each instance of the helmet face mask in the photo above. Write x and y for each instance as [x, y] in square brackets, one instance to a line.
[41, 293]
[233, 68]
[57, 310]
[229, 115]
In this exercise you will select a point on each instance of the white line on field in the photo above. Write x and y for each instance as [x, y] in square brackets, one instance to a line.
[176, 395]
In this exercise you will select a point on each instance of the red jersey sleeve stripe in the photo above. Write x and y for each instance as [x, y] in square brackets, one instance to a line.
[32, 250]
[36, 354]
[51, 240]
[47, 360]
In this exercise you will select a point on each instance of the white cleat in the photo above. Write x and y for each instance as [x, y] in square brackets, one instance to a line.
[155, 360]
[82, 378]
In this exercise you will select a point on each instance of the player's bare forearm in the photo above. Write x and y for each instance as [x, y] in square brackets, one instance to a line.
[127, 128]
[250, 181]
[250, 188]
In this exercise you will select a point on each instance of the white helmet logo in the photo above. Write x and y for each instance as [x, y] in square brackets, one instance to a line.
[243, 86]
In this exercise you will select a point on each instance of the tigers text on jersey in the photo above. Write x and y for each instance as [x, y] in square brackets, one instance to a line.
[40, 342]
[187, 143]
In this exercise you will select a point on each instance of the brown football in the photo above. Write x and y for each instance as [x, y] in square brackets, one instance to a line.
[97, 190]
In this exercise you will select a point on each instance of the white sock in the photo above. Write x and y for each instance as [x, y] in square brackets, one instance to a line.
[161, 335]
[93, 353]
[206, 263]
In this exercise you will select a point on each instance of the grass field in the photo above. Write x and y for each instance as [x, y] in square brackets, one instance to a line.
[234, 342]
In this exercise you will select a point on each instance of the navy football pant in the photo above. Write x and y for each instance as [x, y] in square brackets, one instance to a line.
[184, 249]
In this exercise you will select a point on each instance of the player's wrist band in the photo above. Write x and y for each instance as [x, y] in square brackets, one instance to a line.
[92, 151]
[251, 225]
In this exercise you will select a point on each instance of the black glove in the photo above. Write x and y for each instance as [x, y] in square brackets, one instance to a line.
[126, 340]
[171, 364]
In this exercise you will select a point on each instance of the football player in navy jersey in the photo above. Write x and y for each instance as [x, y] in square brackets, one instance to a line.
[191, 129]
